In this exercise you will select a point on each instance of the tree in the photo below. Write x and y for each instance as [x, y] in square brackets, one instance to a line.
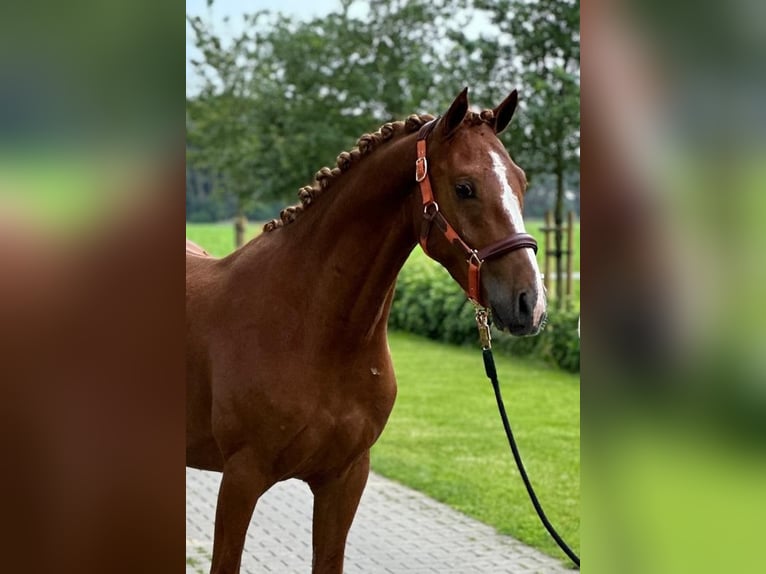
[220, 135]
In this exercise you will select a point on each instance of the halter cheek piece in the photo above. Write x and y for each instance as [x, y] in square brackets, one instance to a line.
[432, 215]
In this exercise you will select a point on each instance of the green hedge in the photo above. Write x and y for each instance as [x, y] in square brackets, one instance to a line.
[429, 302]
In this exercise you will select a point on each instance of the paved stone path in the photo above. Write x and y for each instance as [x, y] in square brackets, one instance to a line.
[396, 531]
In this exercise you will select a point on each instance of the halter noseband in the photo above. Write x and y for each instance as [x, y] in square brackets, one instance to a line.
[431, 215]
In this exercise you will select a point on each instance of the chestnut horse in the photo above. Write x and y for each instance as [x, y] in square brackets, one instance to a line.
[289, 370]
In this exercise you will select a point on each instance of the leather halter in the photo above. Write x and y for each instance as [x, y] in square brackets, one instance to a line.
[431, 215]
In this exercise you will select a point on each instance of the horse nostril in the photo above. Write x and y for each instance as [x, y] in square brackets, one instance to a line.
[525, 309]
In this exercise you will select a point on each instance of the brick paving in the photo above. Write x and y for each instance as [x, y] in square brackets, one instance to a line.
[396, 531]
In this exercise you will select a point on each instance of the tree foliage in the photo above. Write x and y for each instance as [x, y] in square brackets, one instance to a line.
[282, 98]
[544, 38]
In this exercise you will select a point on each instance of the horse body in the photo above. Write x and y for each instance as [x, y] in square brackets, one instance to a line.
[289, 371]
[266, 360]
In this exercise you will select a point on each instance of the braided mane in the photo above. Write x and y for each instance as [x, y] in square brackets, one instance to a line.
[364, 146]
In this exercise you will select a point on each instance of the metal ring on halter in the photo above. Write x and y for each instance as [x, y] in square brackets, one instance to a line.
[430, 214]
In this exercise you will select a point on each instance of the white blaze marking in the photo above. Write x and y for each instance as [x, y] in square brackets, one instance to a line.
[512, 208]
[510, 201]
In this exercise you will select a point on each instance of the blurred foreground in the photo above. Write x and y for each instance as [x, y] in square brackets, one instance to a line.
[91, 359]
[673, 345]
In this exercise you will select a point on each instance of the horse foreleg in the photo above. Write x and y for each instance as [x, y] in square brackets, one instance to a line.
[241, 486]
[335, 504]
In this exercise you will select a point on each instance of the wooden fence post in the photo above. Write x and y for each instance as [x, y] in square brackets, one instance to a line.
[570, 226]
[547, 259]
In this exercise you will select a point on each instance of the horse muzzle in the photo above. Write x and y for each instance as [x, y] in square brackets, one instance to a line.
[520, 313]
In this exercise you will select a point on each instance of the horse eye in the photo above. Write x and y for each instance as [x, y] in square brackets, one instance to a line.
[464, 190]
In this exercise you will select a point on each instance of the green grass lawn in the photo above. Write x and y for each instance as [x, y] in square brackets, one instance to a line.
[445, 438]
[218, 238]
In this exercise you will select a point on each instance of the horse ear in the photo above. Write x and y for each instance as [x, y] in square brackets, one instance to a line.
[455, 114]
[504, 112]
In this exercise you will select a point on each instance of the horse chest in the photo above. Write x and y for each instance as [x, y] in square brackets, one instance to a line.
[358, 410]
[337, 429]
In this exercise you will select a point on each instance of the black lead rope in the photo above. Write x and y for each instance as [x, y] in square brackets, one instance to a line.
[489, 368]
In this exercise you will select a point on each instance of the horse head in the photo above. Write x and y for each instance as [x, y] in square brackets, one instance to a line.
[470, 217]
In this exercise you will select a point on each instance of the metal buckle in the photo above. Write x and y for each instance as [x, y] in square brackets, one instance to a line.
[482, 324]
[421, 169]
[474, 258]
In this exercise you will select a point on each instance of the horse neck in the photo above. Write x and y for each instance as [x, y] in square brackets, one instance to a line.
[353, 242]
